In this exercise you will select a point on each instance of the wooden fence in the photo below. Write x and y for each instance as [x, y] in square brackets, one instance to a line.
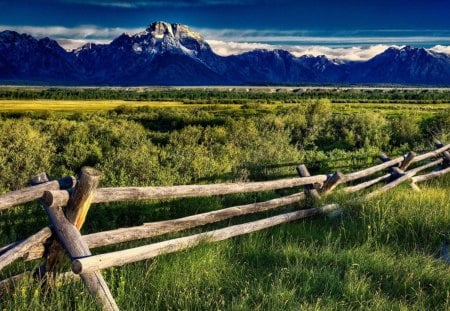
[68, 200]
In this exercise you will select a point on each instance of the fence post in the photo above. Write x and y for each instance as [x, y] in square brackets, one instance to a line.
[395, 171]
[332, 182]
[446, 154]
[408, 160]
[67, 226]
[302, 171]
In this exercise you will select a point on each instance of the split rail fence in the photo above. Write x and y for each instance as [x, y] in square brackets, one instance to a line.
[68, 200]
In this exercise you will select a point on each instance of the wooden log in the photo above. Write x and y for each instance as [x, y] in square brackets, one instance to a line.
[39, 179]
[408, 160]
[407, 176]
[80, 202]
[332, 182]
[73, 243]
[168, 226]
[431, 154]
[367, 184]
[76, 210]
[105, 195]
[302, 171]
[22, 249]
[395, 171]
[372, 170]
[446, 154]
[98, 262]
[32, 193]
[421, 178]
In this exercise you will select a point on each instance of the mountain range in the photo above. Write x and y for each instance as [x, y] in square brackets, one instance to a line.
[172, 54]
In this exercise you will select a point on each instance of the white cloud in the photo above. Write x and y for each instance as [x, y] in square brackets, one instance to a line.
[337, 38]
[441, 49]
[347, 53]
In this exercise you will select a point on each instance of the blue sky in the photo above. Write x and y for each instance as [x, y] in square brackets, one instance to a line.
[232, 26]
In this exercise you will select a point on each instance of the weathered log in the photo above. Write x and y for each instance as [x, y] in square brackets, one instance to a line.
[302, 171]
[22, 249]
[431, 154]
[28, 194]
[153, 229]
[39, 179]
[421, 178]
[75, 211]
[372, 170]
[332, 182]
[407, 176]
[98, 262]
[408, 160]
[395, 170]
[105, 195]
[79, 203]
[73, 243]
[367, 184]
[446, 154]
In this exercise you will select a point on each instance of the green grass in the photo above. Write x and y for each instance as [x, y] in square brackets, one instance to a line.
[380, 255]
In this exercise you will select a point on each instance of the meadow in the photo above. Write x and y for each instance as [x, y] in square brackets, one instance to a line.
[381, 254]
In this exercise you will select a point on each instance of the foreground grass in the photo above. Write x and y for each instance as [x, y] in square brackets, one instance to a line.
[380, 255]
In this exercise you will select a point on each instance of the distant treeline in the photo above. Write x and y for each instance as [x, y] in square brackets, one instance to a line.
[233, 96]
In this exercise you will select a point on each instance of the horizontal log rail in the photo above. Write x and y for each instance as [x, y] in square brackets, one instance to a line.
[119, 258]
[406, 176]
[421, 178]
[32, 193]
[431, 154]
[23, 249]
[374, 169]
[367, 184]
[107, 195]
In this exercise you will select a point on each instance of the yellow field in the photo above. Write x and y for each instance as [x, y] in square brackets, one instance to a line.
[77, 105]
[103, 105]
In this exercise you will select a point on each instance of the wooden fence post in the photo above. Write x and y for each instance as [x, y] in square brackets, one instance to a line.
[302, 171]
[76, 211]
[73, 243]
[332, 182]
[446, 154]
[67, 226]
[395, 171]
[408, 160]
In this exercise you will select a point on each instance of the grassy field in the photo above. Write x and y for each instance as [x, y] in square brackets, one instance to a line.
[381, 254]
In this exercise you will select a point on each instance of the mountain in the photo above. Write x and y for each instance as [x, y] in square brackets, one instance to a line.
[172, 54]
[23, 58]
[404, 66]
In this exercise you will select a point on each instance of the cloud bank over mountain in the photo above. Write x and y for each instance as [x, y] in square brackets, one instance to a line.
[174, 54]
[342, 46]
